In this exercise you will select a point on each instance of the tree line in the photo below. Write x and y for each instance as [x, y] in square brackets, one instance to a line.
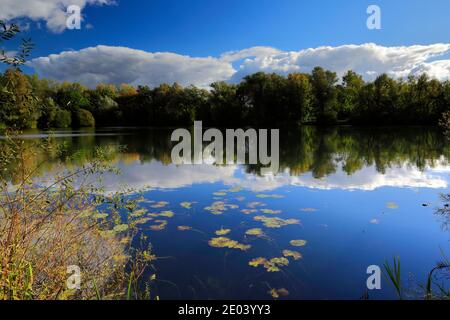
[260, 99]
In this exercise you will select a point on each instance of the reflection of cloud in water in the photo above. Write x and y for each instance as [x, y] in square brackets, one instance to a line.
[156, 175]
[365, 179]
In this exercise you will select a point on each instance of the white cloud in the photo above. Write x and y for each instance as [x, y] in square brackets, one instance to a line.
[124, 65]
[53, 12]
[138, 175]
[368, 60]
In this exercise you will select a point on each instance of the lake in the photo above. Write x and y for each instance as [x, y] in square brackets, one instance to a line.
[355, 197]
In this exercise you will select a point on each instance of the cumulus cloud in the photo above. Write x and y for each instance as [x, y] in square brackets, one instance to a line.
[103, 64]
[53, 12]
[138, 175]
[368, 60]
[124, 65]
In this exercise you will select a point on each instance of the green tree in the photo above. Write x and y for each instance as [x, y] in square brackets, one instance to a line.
[323, 82]
[18, 105]
[83, 119]
[299, 92]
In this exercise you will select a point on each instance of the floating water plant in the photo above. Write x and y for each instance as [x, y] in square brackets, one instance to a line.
[272, 265]
[159, 226]
[138, 213]
[254, 232]
[392, 205]
[276, 293]
[294, 254]
[141, 221]
[186, 204]
[219, 207]
[160, 204]
[298, 243]
[276, 222]
[222, 232]
[220, 193]
[165, 214]
[223, 242]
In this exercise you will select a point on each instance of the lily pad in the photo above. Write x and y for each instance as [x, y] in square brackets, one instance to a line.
[276, 222]
[222, 232]
[294, 254]
[219, 207]
[186, 204]
[160, 204]
[159, 226]
[165, 214]
[272, 265]
[138, 213]
[392, 205]
[254, 232]
[277, 293]
[298, 243]
[223, 242]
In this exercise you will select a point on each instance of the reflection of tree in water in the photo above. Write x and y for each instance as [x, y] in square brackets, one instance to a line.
[320, 150]
[444, 212]
[323, 150]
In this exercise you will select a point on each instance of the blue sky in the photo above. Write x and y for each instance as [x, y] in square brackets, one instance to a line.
[201, 28]
[210, 27]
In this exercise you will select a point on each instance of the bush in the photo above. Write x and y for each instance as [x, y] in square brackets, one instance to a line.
[52, 229]
[63, 119]
[54, 117]
[83, 119]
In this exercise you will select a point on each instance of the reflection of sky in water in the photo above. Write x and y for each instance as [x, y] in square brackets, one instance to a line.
[154, 174]
[350, 228]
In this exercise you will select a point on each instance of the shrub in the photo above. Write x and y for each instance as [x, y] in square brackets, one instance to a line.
[83, 119]
[47, 228]
[63, 119]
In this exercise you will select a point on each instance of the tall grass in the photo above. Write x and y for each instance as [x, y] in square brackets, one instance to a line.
[51, 223]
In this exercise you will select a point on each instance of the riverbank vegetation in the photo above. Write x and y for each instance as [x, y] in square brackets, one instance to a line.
[63, 237]
[261, 99]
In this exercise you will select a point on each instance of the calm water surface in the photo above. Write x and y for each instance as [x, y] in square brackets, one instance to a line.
[361, 196]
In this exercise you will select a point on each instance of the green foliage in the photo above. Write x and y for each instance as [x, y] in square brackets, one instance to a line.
[9, 33]
[264, 100]
[83, 119]
[393, 274]
[54, 117]
[18, 105]
[44, 228]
